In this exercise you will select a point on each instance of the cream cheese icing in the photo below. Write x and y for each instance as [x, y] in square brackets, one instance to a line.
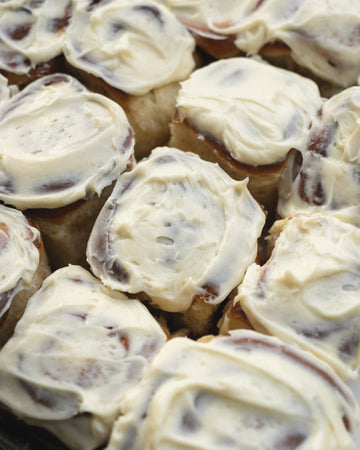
[32, 32]
[77, 349]
[245, 390]
[216, 19]
[176, 227]
[19, 255]
[307, 293]
[331, 52]
[121, 40]
[328, 179]
[6, 90]
[60, 143]
[256, 111]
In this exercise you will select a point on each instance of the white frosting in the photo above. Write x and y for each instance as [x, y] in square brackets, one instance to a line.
[329, 176]
[134, 45]
[60, 143]
[176, 227]
[77, 349]
[31, 32]
[241, 391]
[218, 16]
[323, 35]
[6, 90]
[19, 255]
[256, 111]
[308, 291]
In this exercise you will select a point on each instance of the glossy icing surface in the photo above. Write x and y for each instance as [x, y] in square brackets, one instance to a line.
[32, 32]
[120, 40]
[262, 394]
[50, 136]
[76, 350]
[308, 291]
[256, 111]
[176, 227]
[331, 52]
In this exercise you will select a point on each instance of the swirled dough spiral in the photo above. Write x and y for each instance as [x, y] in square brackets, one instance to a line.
[176, 227]
[77, 349]
[307, 293]
[121, 40]
[257, 112]
[32, 32]
[23, 266]
[60, 143]
[328, 178]
[245, 390]
[323, 36]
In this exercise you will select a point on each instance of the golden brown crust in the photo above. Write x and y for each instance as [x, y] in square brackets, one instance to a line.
[66, 230]
[148, 114]
[263, 179]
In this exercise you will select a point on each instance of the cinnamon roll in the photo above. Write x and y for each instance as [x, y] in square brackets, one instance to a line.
[77, 349]
[307, 293]
[326, 176]
[61, 148]
[322, 37]
[245, 390]
[246, 115]
[136, 52]
[179, 230]
[31, 37]
[23, 266]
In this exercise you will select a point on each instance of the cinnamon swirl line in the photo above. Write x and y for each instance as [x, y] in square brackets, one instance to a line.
[135, 52]
[77, 349]
[62, 147]
[245, 390]
[31, 38]
[179, 230]
[295, 34]
[307, 293]
[247, 116]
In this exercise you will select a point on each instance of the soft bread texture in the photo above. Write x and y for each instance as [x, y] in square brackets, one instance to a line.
[66, 230]
[143, 82]
[247, 116]
[149, 114]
